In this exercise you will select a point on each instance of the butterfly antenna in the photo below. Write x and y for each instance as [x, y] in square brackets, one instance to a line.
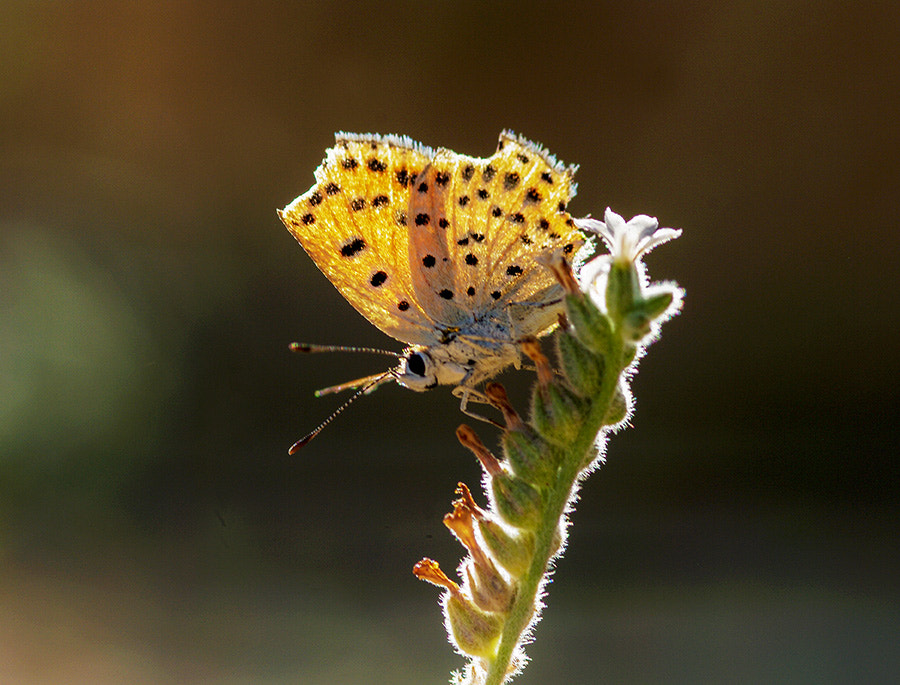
[350, 385]
[378, 380]
[309, 348]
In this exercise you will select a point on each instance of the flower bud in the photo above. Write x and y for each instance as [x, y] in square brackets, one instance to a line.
[474, 631]
[519, 503]
[489, 590]
[512, 550]
[623, 289]
[531, 458]
[592, 326]
[557, 413]
[583, 368]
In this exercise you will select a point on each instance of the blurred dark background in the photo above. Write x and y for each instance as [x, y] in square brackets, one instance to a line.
[152, 528]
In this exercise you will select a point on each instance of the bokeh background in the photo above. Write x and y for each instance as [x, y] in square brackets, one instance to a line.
[152, 528]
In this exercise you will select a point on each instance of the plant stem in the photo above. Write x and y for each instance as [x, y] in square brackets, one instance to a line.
[556, 500]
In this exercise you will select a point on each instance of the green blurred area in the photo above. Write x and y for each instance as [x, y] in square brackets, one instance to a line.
[152, 528]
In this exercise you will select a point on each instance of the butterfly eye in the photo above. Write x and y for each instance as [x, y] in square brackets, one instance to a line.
[416, 364]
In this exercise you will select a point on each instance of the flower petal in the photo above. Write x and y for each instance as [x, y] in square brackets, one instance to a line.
[662, 235]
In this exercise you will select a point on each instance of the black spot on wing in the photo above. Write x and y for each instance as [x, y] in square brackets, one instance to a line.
[353, 247]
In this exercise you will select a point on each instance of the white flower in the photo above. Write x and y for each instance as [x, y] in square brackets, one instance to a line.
[627, 242]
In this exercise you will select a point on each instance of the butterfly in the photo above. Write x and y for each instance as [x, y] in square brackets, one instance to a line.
[438, 250]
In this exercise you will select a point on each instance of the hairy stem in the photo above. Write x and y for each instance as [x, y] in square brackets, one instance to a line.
[557, 499]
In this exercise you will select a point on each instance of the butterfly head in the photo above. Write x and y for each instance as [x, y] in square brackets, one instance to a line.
[423, 368]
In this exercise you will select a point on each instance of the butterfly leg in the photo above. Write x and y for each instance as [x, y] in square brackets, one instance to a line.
[465, 394]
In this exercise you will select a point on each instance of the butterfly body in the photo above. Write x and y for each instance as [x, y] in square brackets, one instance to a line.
[438, 249]
[465, 359]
